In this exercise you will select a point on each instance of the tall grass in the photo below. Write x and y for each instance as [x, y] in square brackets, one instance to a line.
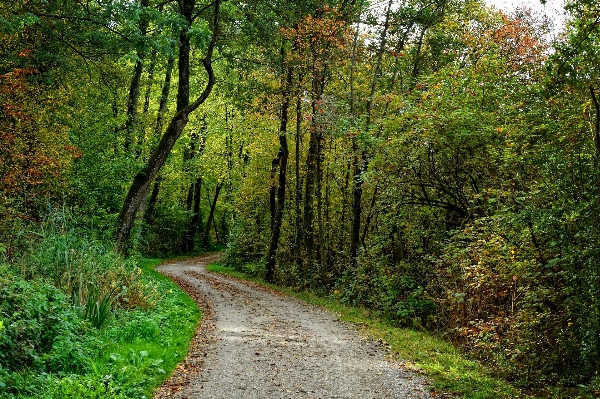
[87, 269]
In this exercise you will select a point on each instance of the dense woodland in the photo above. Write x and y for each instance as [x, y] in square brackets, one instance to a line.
[436, 161]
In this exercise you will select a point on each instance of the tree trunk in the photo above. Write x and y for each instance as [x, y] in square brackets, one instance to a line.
[134, 88]
[196, 146]
[322, 247]
[141, 182]
[597, 130]
[149, 212]
[277, 205]
[150, 82]
[361, 163]
[369, 217]
[273, 190]
[195, 221]
[318, 85]
[298, 196]
[211, 215]
[164, 97]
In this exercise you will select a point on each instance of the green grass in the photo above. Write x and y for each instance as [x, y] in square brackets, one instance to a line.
[133, 353]
[147, 345]
[448, 369]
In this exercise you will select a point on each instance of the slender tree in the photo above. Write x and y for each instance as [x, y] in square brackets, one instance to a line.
[277, 202]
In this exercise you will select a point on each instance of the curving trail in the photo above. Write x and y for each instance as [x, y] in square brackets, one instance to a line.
[258, 344]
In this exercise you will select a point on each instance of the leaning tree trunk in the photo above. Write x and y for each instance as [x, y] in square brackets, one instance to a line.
[141, 182]
[277, 206]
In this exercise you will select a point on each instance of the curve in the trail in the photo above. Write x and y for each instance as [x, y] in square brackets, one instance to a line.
[258, 344]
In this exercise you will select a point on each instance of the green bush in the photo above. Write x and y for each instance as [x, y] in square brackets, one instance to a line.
[40, 331]
[390, 290]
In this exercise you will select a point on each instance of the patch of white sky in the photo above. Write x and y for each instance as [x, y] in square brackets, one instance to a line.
[552, 9]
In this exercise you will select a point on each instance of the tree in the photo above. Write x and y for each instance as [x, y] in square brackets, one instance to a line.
[277, 193]
[138, 190]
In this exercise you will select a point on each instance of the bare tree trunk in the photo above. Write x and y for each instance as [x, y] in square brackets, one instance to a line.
[273, 189]
[309, 189]
[343, 221]
[298, 196]
[150, 82]
[322, 247]
[196, 147]
[164, 97]
[318, 84]
[369, 217]
[195, 221]
[597, 130]
[134, 88]
[149, 212]
[141, 182]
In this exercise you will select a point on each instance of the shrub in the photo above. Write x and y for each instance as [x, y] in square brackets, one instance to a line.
[40, 329]
[392, 291]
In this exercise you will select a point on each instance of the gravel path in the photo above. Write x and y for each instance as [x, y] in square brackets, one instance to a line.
[255, 343]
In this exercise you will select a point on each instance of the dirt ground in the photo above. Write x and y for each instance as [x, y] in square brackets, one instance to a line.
[254, 343]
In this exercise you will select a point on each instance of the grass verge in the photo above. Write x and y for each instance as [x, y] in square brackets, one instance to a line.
[130, 356]
[448, 369]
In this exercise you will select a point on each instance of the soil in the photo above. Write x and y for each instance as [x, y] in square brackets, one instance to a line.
[255, 343]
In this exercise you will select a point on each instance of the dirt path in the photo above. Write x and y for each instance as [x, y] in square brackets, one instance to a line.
[257, 344]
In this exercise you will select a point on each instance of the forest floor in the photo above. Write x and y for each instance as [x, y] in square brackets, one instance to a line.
[254, 342]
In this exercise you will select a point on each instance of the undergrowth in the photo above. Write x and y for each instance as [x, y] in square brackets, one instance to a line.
[133, 353]
[79, 321]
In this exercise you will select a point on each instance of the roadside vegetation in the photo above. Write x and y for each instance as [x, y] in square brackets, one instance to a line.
[79, 321]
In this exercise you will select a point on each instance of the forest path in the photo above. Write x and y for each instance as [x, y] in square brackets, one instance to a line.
[255, 343]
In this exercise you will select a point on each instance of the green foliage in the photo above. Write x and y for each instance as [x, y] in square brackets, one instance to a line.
[41, 330]
[96, 308]
[471, 144]
[89, 271]
[85, 321]
[392, 292]
[128, 357]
